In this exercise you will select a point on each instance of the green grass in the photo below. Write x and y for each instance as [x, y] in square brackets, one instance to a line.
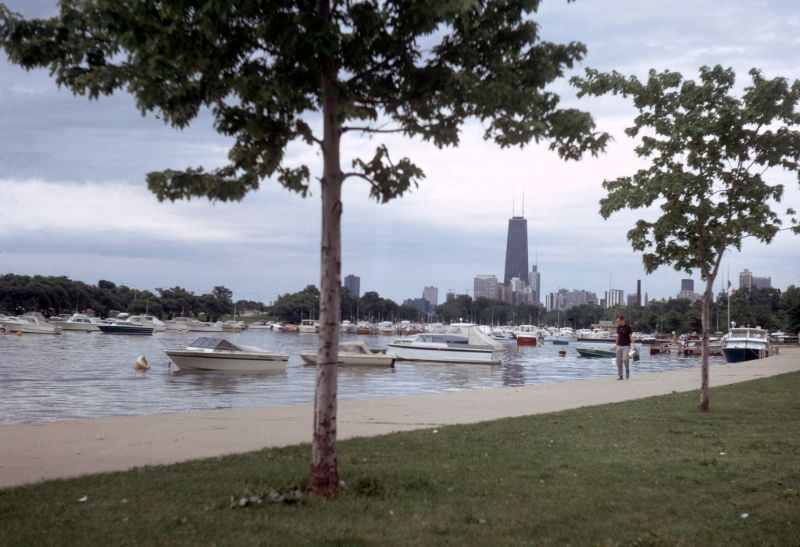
[648, 472]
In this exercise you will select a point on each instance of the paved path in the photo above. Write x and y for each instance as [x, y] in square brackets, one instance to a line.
[34, 452]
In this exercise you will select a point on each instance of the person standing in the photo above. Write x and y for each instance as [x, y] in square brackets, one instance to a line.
[624, 341]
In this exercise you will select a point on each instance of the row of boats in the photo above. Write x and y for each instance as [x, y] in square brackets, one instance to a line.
[464, 344]
[121, 324]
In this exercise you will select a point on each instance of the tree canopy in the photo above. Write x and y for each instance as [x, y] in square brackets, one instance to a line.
[708, 150]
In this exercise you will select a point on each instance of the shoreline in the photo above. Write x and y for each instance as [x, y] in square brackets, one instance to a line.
[61, 449]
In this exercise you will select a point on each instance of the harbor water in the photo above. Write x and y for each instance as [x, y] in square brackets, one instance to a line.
[80, 375]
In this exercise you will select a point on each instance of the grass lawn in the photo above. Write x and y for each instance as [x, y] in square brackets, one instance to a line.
[648, 472]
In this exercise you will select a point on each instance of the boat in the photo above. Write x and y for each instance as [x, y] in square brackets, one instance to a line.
[745, 344]
[233, 326]
[125, 326]
[259, 325]
[469, 346]
[149, 321]
[28, 324]
[190, 324]
[353, 354]
[308, 325]
[596, 352]
[364, 327]
[386, 328]
[219, 354]
[78, 322]
[527, 335]
[596, 335]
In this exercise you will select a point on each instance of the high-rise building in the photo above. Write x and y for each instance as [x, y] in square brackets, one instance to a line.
[564, 299]
[749, 281]
[638, 292]
[353, 284]
[632, 300]
[516, 249]
[431, 294]
[615, 297]
[687, 285]
[485, 286]
[450, 295]
[535, 282]
[762, 282]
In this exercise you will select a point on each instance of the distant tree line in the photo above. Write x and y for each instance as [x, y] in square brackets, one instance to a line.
[53, 295]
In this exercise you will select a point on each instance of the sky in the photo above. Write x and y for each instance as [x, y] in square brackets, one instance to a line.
[73, 200]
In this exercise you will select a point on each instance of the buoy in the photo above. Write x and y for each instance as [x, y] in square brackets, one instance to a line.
[141, 363]
[19, 333]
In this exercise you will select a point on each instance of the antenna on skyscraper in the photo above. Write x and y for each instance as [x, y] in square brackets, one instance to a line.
[513, 208]
[523, 202]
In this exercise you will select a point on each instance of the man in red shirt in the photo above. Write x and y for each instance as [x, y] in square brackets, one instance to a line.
[624, 341]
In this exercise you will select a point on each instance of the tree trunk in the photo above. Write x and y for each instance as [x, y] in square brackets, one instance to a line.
[706, 319]
[324, 475]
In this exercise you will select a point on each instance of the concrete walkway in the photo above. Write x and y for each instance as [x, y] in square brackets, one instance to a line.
[34, 452]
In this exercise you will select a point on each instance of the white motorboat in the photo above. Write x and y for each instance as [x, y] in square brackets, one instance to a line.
[190, 324]
[745, 344]
[79, 322]
[259, 325]
[353, 354]
[28, 324]
[471, 346]
[309, 325]
[218, 354]
[149, 321]
[233, 326]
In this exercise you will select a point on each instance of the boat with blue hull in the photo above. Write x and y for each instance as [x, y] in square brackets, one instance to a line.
[126, 327]
[745, 344]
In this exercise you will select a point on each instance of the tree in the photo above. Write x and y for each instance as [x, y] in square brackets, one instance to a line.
[709, 150]
[269, 70]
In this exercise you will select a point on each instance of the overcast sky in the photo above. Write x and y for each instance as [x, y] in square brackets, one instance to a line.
[74, 201]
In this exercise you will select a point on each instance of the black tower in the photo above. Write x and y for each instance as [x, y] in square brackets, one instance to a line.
[517, 250]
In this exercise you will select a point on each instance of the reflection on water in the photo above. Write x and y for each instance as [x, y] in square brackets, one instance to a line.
[78, 375]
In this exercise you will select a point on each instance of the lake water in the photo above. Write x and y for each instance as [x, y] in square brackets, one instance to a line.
[79, 375]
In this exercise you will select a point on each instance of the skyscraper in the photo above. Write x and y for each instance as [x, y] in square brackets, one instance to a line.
[687, 285]
[431, 294]
[353, 284]
[535, 281]
[485, 286]
[516, 249]
[638, 292]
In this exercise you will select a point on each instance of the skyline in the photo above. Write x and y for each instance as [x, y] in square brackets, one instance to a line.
[75, 203]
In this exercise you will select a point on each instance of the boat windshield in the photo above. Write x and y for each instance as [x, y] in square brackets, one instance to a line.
[215, 343]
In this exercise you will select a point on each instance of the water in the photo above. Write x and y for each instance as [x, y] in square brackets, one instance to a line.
[79, 375]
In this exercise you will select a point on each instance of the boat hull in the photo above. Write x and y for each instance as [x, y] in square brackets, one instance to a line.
[31, 329]
[526, 340]
[127, 329]
[78, 327]
[738, 355]
[351, 360]
[189, 360]
[444, 355]
[595, 353]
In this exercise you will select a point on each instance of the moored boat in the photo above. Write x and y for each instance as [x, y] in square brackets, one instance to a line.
[473, 346]
[221, 355]
[527, 335]
[28, 324]
[308, 326]
[596, 352]
[79, 322]
[745, 344]
[353, 354]
[125, 326]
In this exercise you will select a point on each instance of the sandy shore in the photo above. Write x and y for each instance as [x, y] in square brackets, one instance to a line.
[34, 452]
